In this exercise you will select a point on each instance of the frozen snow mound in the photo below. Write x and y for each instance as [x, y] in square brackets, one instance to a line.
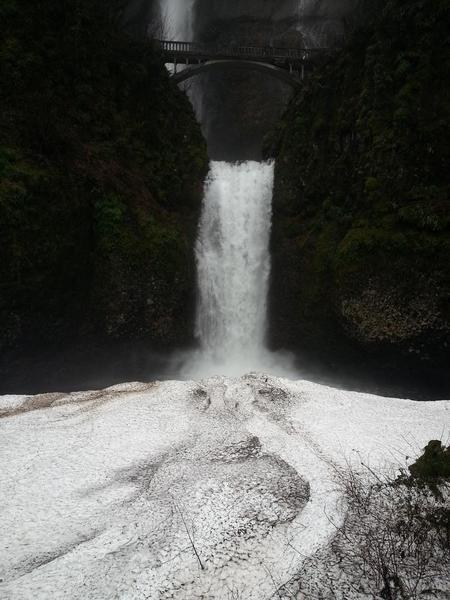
[214, 489]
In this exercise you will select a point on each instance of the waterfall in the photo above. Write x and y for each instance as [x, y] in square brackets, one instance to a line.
[177, 19]
[177, 23]
[322, 23]
[233, 259]
[233, 263]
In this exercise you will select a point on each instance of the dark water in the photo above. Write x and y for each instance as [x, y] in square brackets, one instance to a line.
[96, 366]
[81, 368]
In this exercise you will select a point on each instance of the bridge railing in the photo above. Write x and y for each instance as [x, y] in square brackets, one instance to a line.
[174, 48]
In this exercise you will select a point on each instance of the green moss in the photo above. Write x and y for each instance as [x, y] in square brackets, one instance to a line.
[372, 184]
[108, 220]
[370, 240]
[433, 464]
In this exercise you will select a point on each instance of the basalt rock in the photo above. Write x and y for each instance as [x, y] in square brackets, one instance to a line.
[101, 170]
[361, 226]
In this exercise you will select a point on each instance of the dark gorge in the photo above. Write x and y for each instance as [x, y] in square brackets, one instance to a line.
[102, 164]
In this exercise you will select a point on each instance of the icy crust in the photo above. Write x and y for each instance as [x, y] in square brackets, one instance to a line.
[216, 489]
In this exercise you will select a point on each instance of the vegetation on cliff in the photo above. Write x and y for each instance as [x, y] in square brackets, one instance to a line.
[361, 237]
[101, 169]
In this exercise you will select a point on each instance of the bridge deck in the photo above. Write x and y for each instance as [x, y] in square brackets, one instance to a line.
[187, 51]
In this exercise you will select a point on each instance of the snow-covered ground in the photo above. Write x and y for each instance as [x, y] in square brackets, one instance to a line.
[217, 489]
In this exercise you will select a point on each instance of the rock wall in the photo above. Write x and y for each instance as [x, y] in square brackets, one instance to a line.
[101, 170]
[361, 231]
[139, 15]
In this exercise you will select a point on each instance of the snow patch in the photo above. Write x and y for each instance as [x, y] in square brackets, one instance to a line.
[214, 489]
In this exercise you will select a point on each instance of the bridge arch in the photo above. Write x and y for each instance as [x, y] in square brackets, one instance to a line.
[212, 65]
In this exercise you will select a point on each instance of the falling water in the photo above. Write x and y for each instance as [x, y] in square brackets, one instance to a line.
[177, 23]
[233, 258]
[233, 263]
[177, 19]
[320, 23]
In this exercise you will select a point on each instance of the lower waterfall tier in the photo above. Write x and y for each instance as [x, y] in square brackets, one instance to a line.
[233, 265]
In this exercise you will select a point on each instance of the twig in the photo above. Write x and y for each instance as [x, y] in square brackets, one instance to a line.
[189, 535]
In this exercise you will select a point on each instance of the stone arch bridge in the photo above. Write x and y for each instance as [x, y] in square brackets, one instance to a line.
[286, 64]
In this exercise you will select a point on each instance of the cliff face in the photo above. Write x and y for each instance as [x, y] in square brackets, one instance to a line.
[101, 169]
[361, 232]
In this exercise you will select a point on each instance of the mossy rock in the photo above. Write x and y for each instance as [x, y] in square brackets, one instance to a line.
[434, 464]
